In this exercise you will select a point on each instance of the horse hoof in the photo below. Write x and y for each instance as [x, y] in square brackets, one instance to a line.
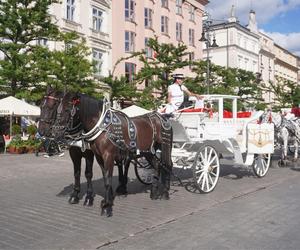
[153, 196]
[121, 190]
[106, 211]
[88, 202]
[74, 200]
[165, 196]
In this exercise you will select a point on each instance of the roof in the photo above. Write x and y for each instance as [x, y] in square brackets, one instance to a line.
[134, 110]
[13, 106]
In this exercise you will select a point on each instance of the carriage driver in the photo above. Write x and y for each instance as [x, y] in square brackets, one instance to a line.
[176, 93]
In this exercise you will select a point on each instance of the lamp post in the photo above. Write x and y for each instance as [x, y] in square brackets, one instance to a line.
[208, 36]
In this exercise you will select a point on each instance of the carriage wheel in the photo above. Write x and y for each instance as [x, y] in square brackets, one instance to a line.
[292, 149]
[206, 169]
[261, 164]
[144, 171]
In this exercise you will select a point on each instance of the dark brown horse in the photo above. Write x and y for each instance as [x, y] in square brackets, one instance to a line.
[49, 107]
[113, 136]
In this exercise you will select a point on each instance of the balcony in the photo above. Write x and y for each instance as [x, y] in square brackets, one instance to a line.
[100, 36]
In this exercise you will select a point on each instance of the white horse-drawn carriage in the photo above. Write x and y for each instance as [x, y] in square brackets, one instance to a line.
[201, 137]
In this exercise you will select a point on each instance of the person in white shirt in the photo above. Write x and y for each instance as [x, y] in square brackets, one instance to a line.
[176, 94]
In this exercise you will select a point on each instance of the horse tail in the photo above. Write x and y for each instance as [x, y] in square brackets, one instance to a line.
[166, 145]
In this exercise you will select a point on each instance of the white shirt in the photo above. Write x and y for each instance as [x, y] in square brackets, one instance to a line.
[177, 94]
[177, 97]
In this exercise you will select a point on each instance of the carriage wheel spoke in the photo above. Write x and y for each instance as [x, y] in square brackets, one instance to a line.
[214, 158]
[207, 182]
[199, 171]
[211, 180]
[200, 177]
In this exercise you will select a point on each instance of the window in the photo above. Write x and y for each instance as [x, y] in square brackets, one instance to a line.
[129, 10]
[129, 41]
[179, 7]
[165, 3]
[164, 25]
[97, 19]
[70, 9]
[179, 32]
[42, 42]
[98, 60]
[148, 18]
[129, 71]
[192, 37]
[192, 13]
[148, 50]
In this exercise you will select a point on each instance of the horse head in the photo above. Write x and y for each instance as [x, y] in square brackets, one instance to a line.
[49, 106]
[67, 115]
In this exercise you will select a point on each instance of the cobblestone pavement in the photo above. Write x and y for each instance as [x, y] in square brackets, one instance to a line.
[35, 214]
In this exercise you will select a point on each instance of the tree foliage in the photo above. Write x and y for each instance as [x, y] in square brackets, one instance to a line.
[286, 93]
[22, 23]
[228, 81]
[156, 70]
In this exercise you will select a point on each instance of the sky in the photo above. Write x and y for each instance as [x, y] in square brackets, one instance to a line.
[279, 19]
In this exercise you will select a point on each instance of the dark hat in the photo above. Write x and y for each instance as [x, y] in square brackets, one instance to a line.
[178, 76]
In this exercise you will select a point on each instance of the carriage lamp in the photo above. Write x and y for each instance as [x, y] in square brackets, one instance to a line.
[209, 37]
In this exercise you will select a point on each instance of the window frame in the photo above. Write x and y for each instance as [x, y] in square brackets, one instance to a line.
[178, 31]
[164, 24]
[130, 41]
[179, 7]
[129, 11]
[148, 18]
[97, 21]
[191, 37]
[165, 4]
[98, 60]
[70, 10]
[132, 71]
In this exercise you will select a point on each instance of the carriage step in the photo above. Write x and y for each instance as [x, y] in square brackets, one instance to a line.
[238, 158]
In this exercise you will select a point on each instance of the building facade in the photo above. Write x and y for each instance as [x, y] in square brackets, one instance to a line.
[249, 49]
[135, 21]
[91, 19]
[238, 47]
[286, 64]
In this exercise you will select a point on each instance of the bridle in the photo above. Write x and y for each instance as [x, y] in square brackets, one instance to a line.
[51, 119]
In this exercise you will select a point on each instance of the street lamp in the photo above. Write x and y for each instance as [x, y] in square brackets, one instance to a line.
[208, 36]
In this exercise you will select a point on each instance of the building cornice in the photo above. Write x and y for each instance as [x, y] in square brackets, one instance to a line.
[235, 47]
[267, 53]
[203, 2]
[104, 3]
[285, 50]
[285, 64]
[227, 25]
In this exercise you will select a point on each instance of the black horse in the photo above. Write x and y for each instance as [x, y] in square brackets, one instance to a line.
[113, 136]
[49, 106]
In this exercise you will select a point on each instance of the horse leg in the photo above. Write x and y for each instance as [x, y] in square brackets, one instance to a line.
[107, 202]
[121, 189]
[76, 159]
[89, 160]
[154, 193]
[296, 145]
[166, 164]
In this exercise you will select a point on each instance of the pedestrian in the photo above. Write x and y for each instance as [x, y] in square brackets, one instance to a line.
[176, 93]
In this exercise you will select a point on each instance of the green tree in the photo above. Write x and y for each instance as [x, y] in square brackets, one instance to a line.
[286, 93]
[22, 23]
[155, 73]
[67, 68]
[228, 81]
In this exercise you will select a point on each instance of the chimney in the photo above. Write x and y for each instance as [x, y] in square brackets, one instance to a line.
[232, 18]
[252, 26]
